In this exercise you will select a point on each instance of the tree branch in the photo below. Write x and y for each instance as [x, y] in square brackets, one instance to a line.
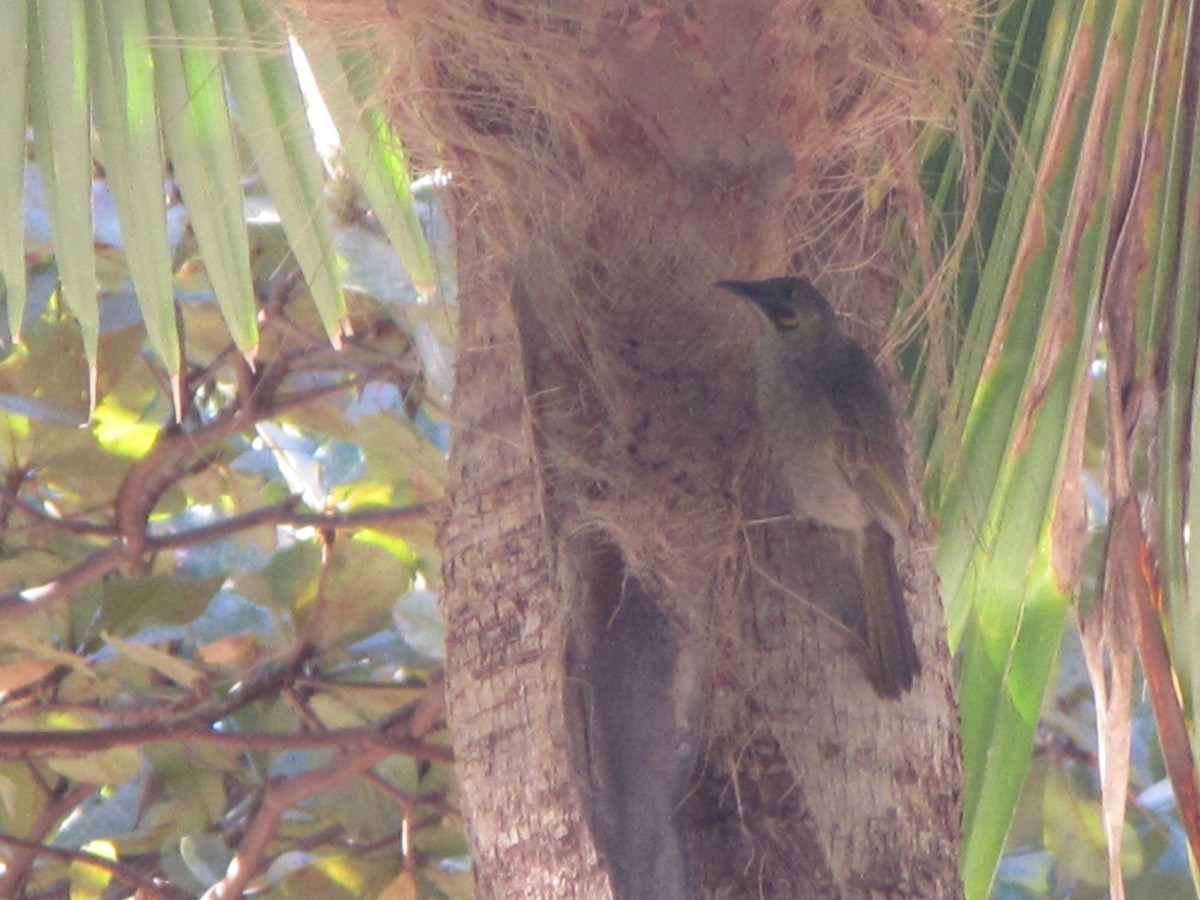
[149, 887]
[282, 514]
[20, 743]
[280, 796]
[72, 526]
[16, 604]
[16, 873]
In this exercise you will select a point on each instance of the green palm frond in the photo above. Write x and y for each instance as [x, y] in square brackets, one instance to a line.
[209, 94]
[1081, 212]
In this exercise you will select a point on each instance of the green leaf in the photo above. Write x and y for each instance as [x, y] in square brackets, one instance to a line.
[194, 781]
[1178, 282]
[131, 604]
[206, 855]
[114, 766]
[187, 674]
[202, 143]
[1074, 833]
[269, 103]
[456, 885]
[88, 881]
[54, 368]
[58, 109]
[396, 451]
[372, 701]
[371, 150]
[1023, 380]
[125, 114]
[22, 797]
[290, 579]
[13, 54]
[357, 594]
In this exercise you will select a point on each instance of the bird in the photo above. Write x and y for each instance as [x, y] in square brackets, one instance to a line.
[829, 424]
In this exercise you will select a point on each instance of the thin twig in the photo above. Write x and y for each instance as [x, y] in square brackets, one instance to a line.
[72, 526]
[149, 887]
[280, 796]
[16, 604]
[363, 518]
[19, 743]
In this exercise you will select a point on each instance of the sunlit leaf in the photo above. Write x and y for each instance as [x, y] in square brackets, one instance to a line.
[123, 431]
[167, 664]
[88, 880]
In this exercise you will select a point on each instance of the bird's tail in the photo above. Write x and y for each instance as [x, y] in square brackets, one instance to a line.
[892, 660]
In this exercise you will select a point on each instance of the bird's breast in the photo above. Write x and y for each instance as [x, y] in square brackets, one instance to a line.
[817, 483]
[800, 433]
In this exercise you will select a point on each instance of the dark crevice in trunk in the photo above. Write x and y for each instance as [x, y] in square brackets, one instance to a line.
[631, 699]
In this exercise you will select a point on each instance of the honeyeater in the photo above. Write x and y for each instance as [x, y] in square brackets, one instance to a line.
[830, 427]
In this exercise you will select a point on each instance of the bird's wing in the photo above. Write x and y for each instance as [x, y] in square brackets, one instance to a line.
[867, 443]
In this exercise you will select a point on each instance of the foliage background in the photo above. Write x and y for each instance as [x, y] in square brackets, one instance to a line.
[243, 525]
[241, 688]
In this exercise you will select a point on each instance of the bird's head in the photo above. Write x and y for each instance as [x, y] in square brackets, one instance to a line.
[793, 305]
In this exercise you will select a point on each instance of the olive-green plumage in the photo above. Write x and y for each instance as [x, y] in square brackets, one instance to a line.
[828, 422]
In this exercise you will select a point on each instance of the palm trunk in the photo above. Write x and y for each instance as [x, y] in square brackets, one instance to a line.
[654, 689]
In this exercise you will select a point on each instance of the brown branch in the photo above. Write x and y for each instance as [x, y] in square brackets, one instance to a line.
[364, 518]
[173, 455]
[16, 604]
[71, 526]
[275, 514]
[278, 799]
[407, 803]
[20, 743]
[428, 712]
[169, 458]
[263, 680]
[280, 796]
[149, 887]
[162, 466]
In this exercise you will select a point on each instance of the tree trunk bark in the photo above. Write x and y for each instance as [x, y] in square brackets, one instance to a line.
[654, 685]
[506, 626]
[619, 739]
